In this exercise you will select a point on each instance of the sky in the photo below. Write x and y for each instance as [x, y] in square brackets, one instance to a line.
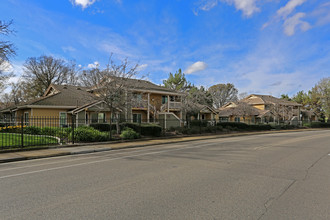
[261, 46]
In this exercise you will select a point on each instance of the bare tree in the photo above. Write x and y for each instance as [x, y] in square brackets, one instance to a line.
[40, 72]
[222, 94]
[193, 99]
[7, 50]
[242, 95]
[113, 86]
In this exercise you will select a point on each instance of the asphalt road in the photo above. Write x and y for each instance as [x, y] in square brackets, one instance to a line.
[273, 176]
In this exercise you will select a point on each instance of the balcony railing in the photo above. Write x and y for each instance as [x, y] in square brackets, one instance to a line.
[143, 104]
[171, 105]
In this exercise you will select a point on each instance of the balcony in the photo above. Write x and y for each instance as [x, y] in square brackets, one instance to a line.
[140, 104]
[171, 105]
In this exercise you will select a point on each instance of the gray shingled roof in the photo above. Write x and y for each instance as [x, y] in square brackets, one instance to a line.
[66, 96]
[140, 84]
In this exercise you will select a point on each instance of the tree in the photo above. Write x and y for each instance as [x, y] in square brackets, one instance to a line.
[7, 50]
[222, 94]
[193, 99]
[40, 72]
[113, 86]
[322, 90]
[285, 97]
[302, 98]
[242, 95]
[177, 82]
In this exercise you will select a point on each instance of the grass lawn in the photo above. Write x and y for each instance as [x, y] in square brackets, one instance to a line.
[8, 140]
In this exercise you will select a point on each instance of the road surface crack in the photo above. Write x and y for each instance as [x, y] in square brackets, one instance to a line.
[311, 166]
[270, 201]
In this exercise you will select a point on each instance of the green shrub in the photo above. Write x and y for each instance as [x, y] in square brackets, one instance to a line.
[319, 125]
[260, 127]
[144, 129]
[151, 130]
[89, 134]
[129, 133]
[103, 126]
[195, 130]
[197, 123]
[238, 125]
[32, 130]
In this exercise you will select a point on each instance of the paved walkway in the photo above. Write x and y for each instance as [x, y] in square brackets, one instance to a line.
[90, 148]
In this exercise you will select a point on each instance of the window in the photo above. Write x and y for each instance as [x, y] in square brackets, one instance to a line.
[137, 96]
[237, 119]
[98, 117]
[26, 118]
[223, 119]
[63, 118]
[101, 117]
[137, 118]
[172, 98]
[164, 99]
[203, 116]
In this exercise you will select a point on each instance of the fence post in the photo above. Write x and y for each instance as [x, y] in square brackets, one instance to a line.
[22, 131]
[73, 119]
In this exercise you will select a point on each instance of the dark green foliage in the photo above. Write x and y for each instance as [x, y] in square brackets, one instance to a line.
[144, 129]
[198, 123]
[283, 127]
[238, 125]
[32, 130]
[89, 134]
[129, 133]
[103, 126]
[260, 127]
[319, 125]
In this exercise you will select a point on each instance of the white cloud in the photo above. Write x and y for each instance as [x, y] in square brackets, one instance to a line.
[291, 24]
[142, 67]
[198, 66]
[289, 7]
[68, 49]
[83, 3]
[93, 65]
[322, 13]
[248, 7]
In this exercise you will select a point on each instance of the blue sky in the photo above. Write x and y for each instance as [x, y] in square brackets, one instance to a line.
[261, 46]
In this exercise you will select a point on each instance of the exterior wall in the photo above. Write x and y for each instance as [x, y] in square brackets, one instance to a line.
[43, 117]
[39, 112]
[261, 107]
[143, 114]
[248, 119]
[156, 100]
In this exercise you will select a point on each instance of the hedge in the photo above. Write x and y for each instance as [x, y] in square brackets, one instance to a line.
[144, 129]
[198, 123]
[320, 125]
[103, 126]
[237, 125]
[89, 134]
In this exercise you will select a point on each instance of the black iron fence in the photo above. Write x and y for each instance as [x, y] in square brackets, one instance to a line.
[23, 132]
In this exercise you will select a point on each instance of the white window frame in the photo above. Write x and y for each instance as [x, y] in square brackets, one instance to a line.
[66, 119]
[26, 119]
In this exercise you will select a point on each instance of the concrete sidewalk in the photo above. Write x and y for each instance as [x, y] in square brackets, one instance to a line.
[91, 148]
